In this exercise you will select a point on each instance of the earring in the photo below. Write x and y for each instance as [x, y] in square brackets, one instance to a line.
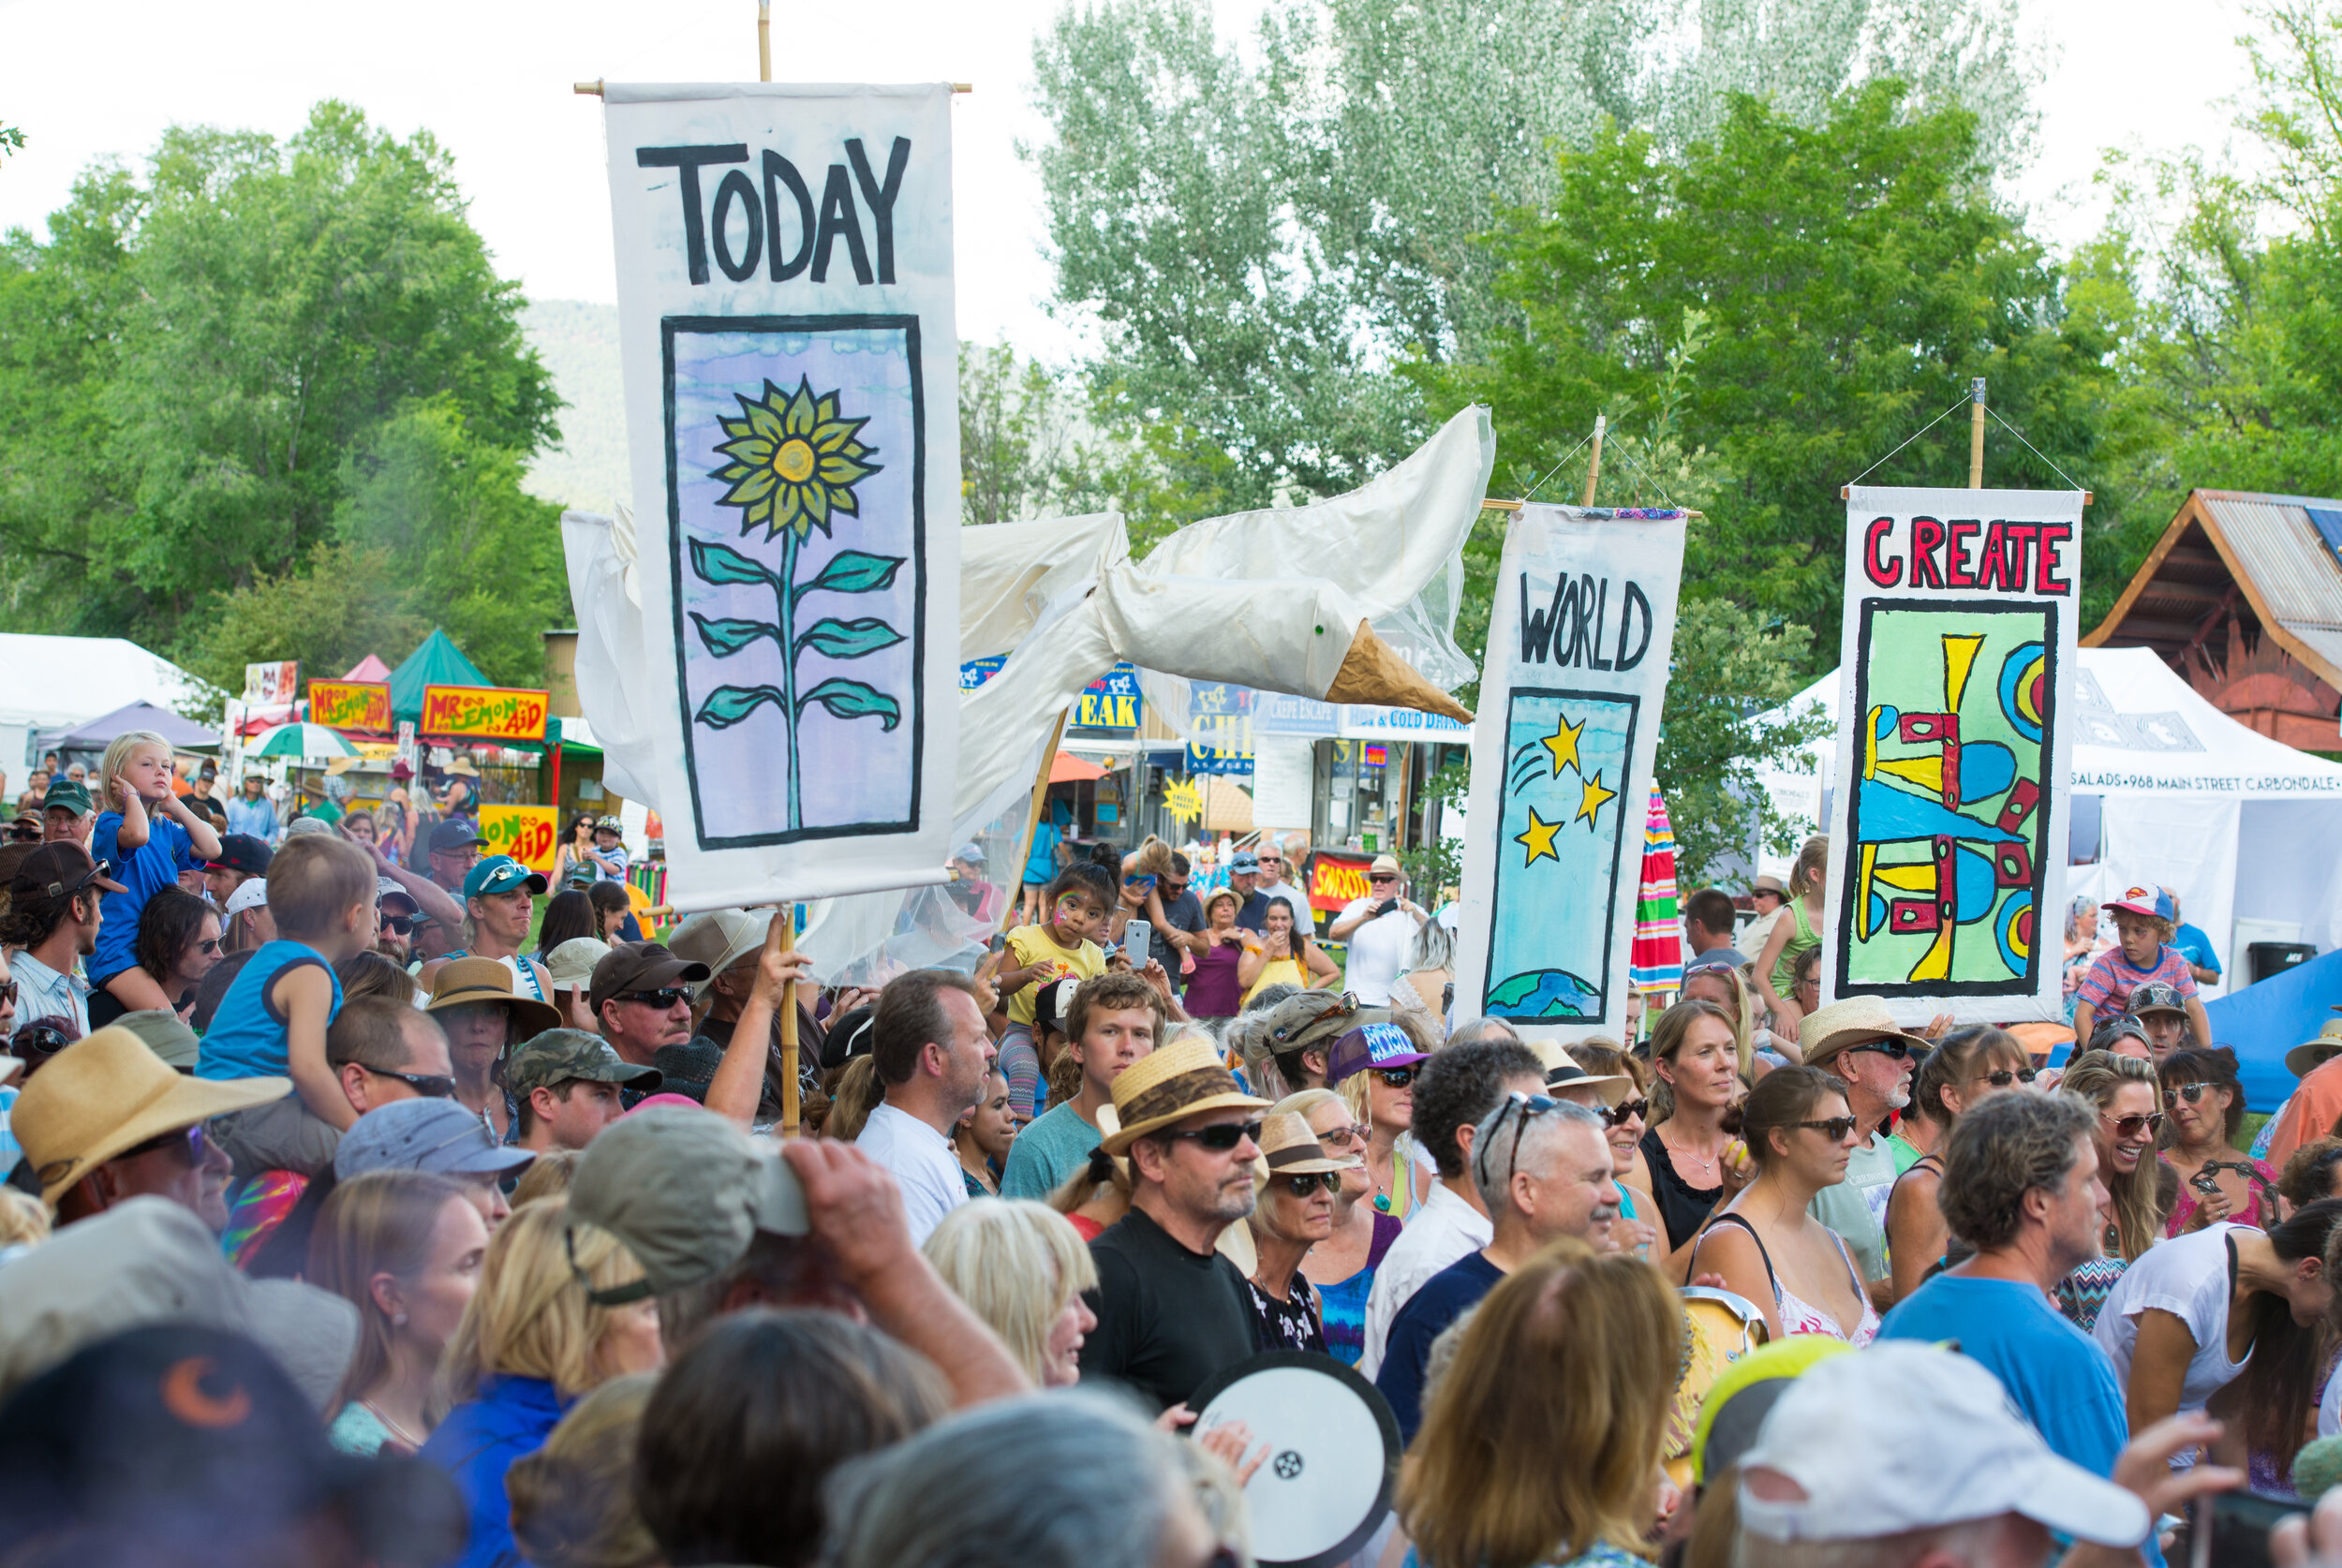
[398, 1319]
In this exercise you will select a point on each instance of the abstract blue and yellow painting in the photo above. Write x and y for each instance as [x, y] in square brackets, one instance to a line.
[1563, 826]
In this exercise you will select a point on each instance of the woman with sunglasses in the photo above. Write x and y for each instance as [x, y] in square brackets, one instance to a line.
[1965, 1067]
[1799, 1272]
[1341, 1266]
[1377, 1083]
[1636, 1230]
[2123, 1091]
[1294, 1186]
[2205, 1104]
[178, 943]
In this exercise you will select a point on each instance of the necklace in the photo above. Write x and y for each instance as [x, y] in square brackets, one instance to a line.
[1707, 1164]
[401, 1433]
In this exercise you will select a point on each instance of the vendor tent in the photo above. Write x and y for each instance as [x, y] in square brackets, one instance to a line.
[58, 683]
[2265, 1021]
[437, 662]
[96, 733]
[2171, 792]
[367, 668]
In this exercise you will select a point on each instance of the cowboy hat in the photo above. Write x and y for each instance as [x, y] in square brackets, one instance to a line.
[1854, 1021]
[2309, 1055]
[460, 982]
[1182, 1079]
[107, 1093]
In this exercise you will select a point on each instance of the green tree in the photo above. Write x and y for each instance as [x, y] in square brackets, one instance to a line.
[194, 365]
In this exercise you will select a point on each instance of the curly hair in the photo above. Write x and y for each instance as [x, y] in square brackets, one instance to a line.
[2006, 1148]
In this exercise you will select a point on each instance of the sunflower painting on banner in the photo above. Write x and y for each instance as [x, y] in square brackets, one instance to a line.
[1563, 762]
[1949, 811]
[790, 367]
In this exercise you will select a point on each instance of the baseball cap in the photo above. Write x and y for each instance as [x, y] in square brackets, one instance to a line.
[177, 1431]
[252, 895]
[1243, 863]
[165, 1034]
[609, 824]
[570, 966]
[558, 1055]
[1947, 1448]
[240, 851]
[686, 1191]
[719, 939]
[640, 967]
[385, 889]
[436, 1136]
[499, 874]
[65, 792]
[57, 870]
[972, 851]
[1733, 1411]
[453, 835]
[1053, 1004]
[1379, 1043]
[2154, 902]
[2157, 996]
[1766, 882]
[2106, 1036]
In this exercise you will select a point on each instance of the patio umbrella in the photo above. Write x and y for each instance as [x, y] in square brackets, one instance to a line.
[301, 740]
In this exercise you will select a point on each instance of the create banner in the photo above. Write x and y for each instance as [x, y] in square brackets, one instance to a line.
[489, 713]
[525, 832]
[1949, 811]
[1562, 756]
[791, 369]
[363, 707]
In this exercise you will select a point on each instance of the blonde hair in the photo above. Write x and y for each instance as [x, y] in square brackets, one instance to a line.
[381, 1223]
[1154, 857]
[855, 1095]
[23, 1220]
[1015, 1262]
[574, 1499]
[549, 1177]
[530, 1316]
[316, 879]
[1601, 1336]
[1812, 863]
[118, 754]
[2137, 1205]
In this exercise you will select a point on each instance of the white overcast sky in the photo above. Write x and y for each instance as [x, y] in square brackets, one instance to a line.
[491, 77]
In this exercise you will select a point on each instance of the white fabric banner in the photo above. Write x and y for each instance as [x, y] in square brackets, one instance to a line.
[791, 367]
[1562, 756]
[1949, 809]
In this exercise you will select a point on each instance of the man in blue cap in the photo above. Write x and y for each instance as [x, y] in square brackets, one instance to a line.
[1252, 910]
[499, 900]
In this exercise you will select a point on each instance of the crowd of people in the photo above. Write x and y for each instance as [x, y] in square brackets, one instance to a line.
[369, 1199]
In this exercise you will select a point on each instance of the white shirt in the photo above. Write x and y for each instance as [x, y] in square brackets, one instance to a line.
[2330, 1406]
[923, 1165]
[1378, 951]
[41, 992]
[1291, 894]
[2186, 1277]
[1442, 1230]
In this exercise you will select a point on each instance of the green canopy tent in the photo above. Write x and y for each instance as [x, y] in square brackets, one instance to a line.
[436, 662]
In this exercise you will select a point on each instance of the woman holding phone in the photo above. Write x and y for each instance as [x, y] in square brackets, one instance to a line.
[1288, 955]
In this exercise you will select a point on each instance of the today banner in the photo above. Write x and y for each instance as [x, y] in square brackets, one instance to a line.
[1949, 809]
[791, 369]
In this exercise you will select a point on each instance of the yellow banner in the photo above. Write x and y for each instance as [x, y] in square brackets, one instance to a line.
[484, 713]
[363, 706]
[524, 832]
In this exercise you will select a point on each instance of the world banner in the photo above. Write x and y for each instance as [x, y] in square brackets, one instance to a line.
[484, 713]
[359, 706]
[1947, 817]
[527, 833]
[789, 362]
[1562, 756]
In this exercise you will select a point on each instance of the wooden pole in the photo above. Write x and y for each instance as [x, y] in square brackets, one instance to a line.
[788, 918]
[1594, 466]
[1976, 435]
[763, 40]
[1032, 824]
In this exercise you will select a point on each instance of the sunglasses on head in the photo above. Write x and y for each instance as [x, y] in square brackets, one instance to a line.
[430, 1086]
[2130, 1127]
[2001, 1077]
[1306, 1182]
[2190, 1093]
[1623, 1111]
[1220, 1136]
[662, 998]
[1527, 1106]
[1397, 1077]
[1835, 1129]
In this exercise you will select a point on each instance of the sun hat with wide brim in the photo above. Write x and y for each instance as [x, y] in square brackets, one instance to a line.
[109, 1092]
[1181, 1080]
[2310, 1055]
[1830, 1031]
[1289, 1147]
[1563, 1071]
[460, 982]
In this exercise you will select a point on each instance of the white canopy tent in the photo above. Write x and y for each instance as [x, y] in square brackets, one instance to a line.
[54, 683]
[2169, 790]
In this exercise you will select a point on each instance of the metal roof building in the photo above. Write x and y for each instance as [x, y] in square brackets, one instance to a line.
[2243, 596]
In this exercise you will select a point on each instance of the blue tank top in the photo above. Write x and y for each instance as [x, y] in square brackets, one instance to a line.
[247, 1039]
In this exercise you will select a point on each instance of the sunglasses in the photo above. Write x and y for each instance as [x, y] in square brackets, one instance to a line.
[398, 925]
[2190, 1093]
[40, 1040]
[2001, 1077]
[1220, 1137]
[1397, 1077]
[187, 1140]
[1835, 1129]
[2130, 1127]
[430, 1086]
[1301, 1186]
[23, 834]
[662, 998]
[1528, 1105]
[9, 992]
[209, 947]
[1381, 877]
[1623, 1111]
[1895, 1048]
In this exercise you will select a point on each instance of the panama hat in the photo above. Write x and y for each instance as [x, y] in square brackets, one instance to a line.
[1855, 1021]
[2311, 1054]
[1563, 1071]
[1181, 1080]
[1288, 1148]
[463, 981]
[109, 1092]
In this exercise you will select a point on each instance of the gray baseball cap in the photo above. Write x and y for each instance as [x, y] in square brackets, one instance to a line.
[436, 1136]
[686, 1191]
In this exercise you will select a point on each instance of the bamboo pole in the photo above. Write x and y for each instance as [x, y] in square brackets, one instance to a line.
[1032, 824]
[763, 40]
[786, 916]
[1593, 465]
[1976, 435]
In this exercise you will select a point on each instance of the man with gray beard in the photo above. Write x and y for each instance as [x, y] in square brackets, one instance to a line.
[1856, 1042]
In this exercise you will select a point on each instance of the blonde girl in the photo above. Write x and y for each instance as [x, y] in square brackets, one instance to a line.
[1799, 929]
[1022, 1267]
[149, 836]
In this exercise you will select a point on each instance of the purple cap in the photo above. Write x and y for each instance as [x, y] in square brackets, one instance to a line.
[1369, 1045]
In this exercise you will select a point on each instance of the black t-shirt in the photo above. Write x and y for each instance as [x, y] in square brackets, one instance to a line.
[1185, 914]
[1168, 1318]
[1682, 1205]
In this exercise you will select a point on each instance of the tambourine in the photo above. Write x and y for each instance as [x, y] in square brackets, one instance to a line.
[1333, 1454]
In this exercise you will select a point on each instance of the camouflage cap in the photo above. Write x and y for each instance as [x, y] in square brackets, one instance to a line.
[558, 1055]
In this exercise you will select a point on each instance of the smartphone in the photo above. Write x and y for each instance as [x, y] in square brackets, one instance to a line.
[1139, 940]
[2231, 1529]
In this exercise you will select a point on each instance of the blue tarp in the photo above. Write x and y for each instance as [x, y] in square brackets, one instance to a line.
[2264, 1021]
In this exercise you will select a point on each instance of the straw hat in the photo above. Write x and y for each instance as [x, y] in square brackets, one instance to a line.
[1563, 1071]
[109, 1092]
[463, 981]
[1855, 1021]
[2309, 1055]
[1288, 1148]
[1181, 1080]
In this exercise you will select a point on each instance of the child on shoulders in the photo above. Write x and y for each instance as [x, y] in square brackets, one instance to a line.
[2143, 923]
[149, 836]
[1077, 905]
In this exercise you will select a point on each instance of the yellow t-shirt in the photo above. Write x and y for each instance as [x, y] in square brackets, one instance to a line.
[1031, 944]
